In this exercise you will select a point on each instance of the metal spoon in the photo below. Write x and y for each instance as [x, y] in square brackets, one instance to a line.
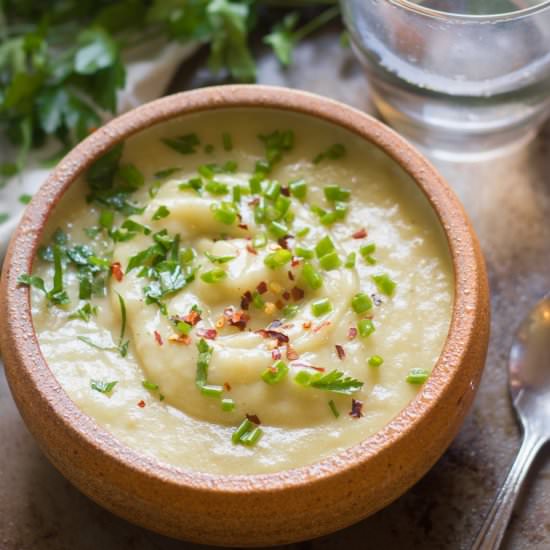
[529, 379]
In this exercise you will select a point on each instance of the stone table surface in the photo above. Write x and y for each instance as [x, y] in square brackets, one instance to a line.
[508, 200]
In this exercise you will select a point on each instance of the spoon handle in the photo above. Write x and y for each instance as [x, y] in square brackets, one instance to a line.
[491, 534]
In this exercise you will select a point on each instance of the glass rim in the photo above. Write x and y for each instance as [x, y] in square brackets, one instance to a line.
[438, 14]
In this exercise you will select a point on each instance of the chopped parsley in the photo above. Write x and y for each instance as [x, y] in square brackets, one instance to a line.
[102, 386]
[335, 381]
[185, 145]
[334, 152]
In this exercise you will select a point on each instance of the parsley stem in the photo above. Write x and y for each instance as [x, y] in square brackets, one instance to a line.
[316, 23]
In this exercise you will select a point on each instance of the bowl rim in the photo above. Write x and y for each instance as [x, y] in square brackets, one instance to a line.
[468, 296]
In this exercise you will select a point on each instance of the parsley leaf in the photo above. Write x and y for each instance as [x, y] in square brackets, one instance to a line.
[102, 386]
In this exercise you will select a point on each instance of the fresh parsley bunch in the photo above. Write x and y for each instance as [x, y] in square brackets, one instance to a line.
[61, 64]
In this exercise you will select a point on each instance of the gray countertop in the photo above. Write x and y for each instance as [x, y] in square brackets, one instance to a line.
[508, 200]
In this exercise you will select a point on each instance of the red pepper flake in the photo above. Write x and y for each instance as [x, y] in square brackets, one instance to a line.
[276, 335]
[227, 386]
[295, 262]
[251, 249]
[285, 191]
[297, 293]
[192, 318]
[306, 325]
[141, 404]
[280, 304]
[360, 234]
[208, 333]
[291, 353]
[237, 319]
[286, 295]
[290, 275]
[253, 418]
[243, 226]
[179, 339]
[246, 300]
[308, 366]
[276, 354]
[322, 326]
[116, 270]
[352, 333]
[356, 408]
[340, 351]
[262, 287]
[255, 201]
[283, 241]
[158, 338]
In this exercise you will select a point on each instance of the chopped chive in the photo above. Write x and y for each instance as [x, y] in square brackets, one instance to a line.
[149, 385]
[257, 301]
[335, 193]
[375, 361]
[367, 250]
[211, 390]
[324, 246]
[317, 210]
[330, 261]
[224, 212]
[205, 171]
[417, 376]
[193, 183]
[302, 232]
[279, 258]
[161, 212]
[298, 189]
[311, 277]
[275, 373]
[255, 185]
[384, 284]
[350, 260]
[334, 152]
[361, 303]
[365, 327]
[251, 438]
[340, 210]
[321, 307]
[227, 142]
[203, 360]
[166, 173]
[25, 198]
[273, 190]
[236, 193]
[219, 259]
[214, 276]
[305, 253]
[259, 240]
[333, 408]
[186, 145]
[278, 229]
[247, 433]
[290, 311]
[184, 328]
[228, 404]
[282, 205]
[328, 218]
[216, 187]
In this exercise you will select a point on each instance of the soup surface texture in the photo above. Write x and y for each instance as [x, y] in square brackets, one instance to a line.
[242, 291]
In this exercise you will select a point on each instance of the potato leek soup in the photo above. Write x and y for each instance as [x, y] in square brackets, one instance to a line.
[242, 291]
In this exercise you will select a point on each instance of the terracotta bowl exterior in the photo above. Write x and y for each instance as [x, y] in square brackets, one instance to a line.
[248, 510]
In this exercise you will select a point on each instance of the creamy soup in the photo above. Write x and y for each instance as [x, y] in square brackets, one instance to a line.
[242, 291]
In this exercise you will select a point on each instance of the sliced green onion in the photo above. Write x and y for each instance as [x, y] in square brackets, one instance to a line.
[365, 327]
[375, 361]
[278, 229]
[335, 193]
[184, 328]
[279, 258]
[219, 259]
[340, 210]
[205, 171]
[350, 260]
[298, 189]
[324, 246]
[276, 373]
[321, 307]
[236, 194]
[251, 438]
[290, 311]
[303, 232]
[161, 212]
[257, 301]
[246, 434]
[330, 261]
[367, 250]
[333, 408]
[282, 204]
[303, 378]
[216, 187]
[228, 404]
[211, 390]
[417, 376]
[361, 303]
[255, 184]
[328, 218]
[259, 240]
[273, 190]
[193, 183]
[224, 212]
[214, 276]
[311, 277]
[149, 385]
[305, 253]
[384, 284]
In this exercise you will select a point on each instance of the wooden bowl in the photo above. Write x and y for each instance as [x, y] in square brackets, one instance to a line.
[248, 510]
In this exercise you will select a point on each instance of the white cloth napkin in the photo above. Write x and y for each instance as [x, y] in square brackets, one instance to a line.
[150, 67]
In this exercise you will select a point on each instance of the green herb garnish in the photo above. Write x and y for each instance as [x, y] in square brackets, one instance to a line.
[375, 360]
[247, 434]
[321, 307]
[185, 145]
[384, 284]
[417, 376]
[214, 276]
[102, 386]
[149, 385]
[361, 303]
[203, 360]
[334, 152]
[84, 313]
[161, 212]
[277, 259]
[311, 277]
[365, 327]
[333, 409]
[335, 381]
[275, 373]
[219, 259]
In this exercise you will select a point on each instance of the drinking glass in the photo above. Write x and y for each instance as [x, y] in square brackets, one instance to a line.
[461, 78]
